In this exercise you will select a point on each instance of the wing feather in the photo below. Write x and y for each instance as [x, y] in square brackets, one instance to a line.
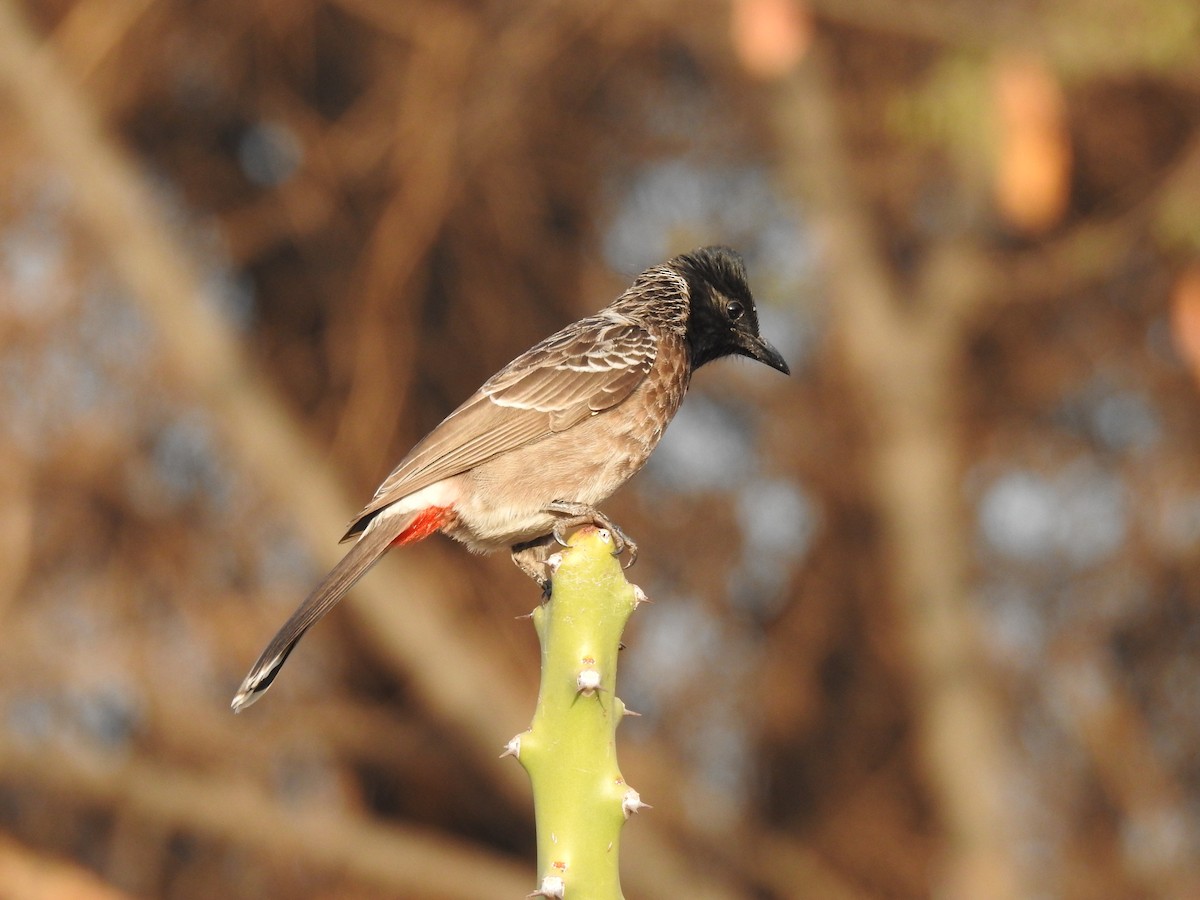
[578, 372]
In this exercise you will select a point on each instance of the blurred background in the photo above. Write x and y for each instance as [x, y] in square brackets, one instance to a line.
[927, 613]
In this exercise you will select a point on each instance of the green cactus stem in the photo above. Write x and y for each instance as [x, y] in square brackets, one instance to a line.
[580, 799]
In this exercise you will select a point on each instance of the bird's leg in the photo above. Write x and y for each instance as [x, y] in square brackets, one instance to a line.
[531, 556]
[576, 514]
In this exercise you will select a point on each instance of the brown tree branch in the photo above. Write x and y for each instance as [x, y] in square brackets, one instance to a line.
[27, 875]
[455, 678]
[408, 860]
[902, 355]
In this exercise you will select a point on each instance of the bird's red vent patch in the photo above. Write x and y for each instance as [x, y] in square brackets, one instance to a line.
[426, 523]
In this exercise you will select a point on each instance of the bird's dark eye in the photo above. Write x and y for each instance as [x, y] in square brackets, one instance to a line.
[735, 310]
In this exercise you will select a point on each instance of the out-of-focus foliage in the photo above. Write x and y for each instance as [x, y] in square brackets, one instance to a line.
[942, 579]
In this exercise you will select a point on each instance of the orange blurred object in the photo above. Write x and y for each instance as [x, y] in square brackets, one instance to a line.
[1185, 318]
[770, 36]
[1033, 165]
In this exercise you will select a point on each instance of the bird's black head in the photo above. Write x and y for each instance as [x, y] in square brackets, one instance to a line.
[722, 319]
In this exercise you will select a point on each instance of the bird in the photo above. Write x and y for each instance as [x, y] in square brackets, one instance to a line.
[528, 456]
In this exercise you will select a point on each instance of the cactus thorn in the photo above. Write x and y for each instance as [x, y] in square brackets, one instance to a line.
[552, 886]
[587, 682]
[512, 748]
[632, 803]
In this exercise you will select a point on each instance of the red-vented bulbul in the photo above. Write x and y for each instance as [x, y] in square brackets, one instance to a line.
[553, 433]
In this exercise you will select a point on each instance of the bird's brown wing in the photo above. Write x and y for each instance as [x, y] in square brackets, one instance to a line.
[581, 371]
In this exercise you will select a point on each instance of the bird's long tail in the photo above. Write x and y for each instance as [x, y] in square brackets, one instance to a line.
[364, 553]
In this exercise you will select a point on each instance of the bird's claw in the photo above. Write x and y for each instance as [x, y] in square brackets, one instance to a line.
[623, 542]
[576, 514]
[560, 532]
[632, 547]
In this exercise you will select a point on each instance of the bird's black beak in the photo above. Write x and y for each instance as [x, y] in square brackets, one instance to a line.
[755, 347]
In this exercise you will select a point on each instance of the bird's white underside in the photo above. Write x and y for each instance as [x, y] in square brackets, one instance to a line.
[444, 493]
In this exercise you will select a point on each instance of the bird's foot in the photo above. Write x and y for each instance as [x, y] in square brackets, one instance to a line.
[531, 558]
[575, 514]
